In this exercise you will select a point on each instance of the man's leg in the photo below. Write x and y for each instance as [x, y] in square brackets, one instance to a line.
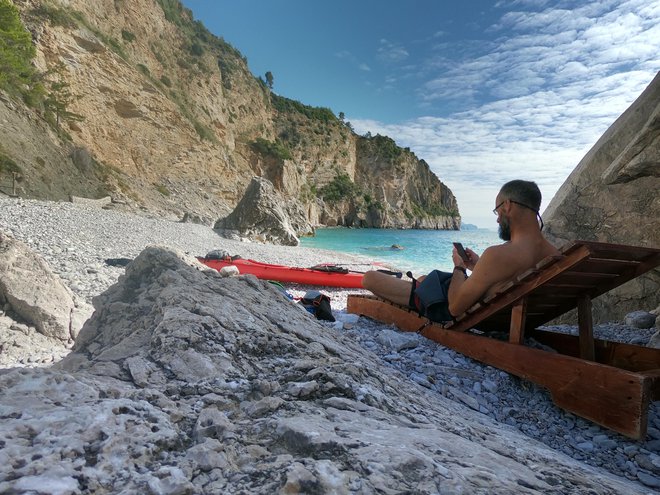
[388, 287]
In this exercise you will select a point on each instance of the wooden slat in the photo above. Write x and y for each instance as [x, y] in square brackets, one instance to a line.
[510, 296]
[561, 286]
[629, 274]
[611, 248]
[618, 354]
[619, 251]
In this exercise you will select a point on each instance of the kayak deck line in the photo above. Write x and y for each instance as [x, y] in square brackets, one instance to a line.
[284, 273]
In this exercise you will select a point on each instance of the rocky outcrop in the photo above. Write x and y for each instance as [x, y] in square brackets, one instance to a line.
[265, 215]
[185, 382]
[389, 186]
[407, 194]
[612, 196]
[30, 290]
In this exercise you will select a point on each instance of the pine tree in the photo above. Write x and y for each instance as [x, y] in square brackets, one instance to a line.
[59, 97]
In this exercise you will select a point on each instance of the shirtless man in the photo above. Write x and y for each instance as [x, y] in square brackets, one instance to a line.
[517, 208]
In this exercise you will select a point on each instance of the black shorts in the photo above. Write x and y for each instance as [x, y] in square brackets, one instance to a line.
[430, 298]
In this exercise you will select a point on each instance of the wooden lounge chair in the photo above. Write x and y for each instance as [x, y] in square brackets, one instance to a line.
[606, 382]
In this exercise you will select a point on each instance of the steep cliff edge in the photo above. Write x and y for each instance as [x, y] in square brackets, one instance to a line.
[165, 116]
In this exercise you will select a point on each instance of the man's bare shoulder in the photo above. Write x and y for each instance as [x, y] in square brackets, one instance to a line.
[509, 259]
[495, 263]
[499, 252]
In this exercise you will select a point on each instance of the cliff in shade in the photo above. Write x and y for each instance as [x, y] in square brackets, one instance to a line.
[612, 196]
[143, 104]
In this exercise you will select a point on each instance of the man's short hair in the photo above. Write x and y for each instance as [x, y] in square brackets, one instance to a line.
[523, 191]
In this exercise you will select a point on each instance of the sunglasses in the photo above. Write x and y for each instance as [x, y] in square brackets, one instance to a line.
[524, 206]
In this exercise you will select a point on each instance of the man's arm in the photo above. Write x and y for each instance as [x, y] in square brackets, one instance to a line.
[464, 292]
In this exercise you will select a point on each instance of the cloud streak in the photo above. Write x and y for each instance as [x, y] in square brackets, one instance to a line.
[531, 101]
[391, 52]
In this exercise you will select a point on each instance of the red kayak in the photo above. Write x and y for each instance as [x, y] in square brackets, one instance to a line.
[325, 275]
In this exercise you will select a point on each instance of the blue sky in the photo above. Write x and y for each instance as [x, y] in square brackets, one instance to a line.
[484, 92]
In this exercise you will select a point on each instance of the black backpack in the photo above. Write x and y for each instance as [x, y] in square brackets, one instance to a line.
[318, 304]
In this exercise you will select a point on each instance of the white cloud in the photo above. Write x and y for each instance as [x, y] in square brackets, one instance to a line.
[347, 55]
[541, 137]
[391, 52]
[535, 100]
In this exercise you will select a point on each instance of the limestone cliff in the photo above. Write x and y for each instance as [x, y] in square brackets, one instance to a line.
[169, 119]
[612, 196]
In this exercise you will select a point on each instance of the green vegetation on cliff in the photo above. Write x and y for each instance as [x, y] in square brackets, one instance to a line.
[341, 187]
[269, 148]
[17, 75]
[382, 147]
[287, 106]
[7, 165]
[426, 211]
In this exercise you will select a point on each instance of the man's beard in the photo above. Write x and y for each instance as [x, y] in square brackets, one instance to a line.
[504, 230]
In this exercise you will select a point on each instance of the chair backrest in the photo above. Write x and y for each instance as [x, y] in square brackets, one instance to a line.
[554, 285]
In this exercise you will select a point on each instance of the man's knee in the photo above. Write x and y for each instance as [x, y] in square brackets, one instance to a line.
[369, 279]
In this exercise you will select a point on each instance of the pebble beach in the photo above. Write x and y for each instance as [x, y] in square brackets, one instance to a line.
[76, 240]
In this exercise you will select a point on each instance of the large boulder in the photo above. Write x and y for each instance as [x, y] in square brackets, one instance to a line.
[612, 196]
[186, 382]
[30, 290]
[264, 214]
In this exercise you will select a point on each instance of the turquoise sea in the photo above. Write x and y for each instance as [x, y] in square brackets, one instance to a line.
[422, 250]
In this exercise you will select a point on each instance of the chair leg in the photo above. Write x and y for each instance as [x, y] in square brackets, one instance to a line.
[586, 328]
[518, 316]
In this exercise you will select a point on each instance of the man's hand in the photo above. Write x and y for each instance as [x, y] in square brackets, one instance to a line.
[474, 257]
[458, 261]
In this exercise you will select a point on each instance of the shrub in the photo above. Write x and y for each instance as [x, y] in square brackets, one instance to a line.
[434, 210]
[196, 49]
[271, 148]
[341, 187]
[56, 16]
[285, 105]
[163, 190]
[184, 64]
[144, 69]
[7, 165]
[127, 36]
[114, 44]
[383, 147]
[204, 132]
[166, 81]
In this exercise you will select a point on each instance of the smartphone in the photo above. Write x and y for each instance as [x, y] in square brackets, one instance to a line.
[461, 251]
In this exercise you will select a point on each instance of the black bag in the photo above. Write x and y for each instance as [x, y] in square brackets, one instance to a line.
[432, 296]
[318, 304]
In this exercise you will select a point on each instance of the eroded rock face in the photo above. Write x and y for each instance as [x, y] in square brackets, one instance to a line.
[32, 291]
[612, 196]
[186, 382]
[264, 214]
[203, 160]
